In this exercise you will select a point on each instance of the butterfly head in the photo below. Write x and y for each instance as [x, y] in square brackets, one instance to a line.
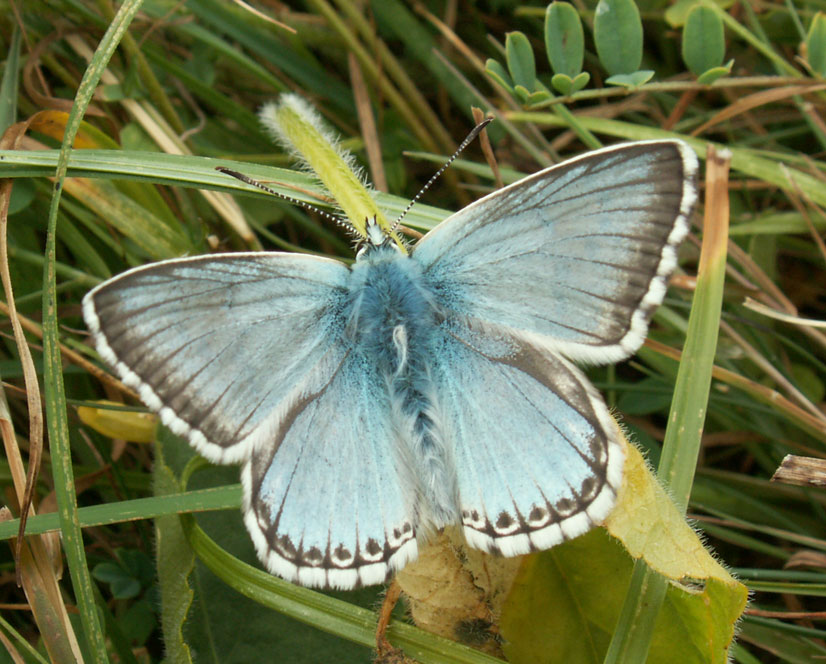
[375, 238]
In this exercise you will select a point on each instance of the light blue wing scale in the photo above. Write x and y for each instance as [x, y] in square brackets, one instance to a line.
[181, 332]
[541, 461]
[574, 258]
[324, 503]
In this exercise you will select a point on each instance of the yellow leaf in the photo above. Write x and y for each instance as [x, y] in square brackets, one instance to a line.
[649, 526]
[122, 424]
[53, 124]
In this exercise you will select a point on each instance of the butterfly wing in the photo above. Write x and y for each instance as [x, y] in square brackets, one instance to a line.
[324, 503]
[182, 333]
[574, 258]
[538, 457]
[243, 355]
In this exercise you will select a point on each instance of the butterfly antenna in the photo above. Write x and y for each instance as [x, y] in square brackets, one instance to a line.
[295, 201]
[473, 134]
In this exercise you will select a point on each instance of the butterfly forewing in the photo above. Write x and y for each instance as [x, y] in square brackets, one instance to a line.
[219, 345]
[576, 256]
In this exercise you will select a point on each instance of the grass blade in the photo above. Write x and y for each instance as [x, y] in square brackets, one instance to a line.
[681, 446]
[55, 397]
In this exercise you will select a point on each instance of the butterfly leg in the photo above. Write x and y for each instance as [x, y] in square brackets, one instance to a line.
[384, 649]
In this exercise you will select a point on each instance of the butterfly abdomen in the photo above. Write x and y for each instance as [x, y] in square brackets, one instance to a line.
[393, 322]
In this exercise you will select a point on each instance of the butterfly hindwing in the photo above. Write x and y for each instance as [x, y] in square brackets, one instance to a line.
[220, 345]
[575, 256]
[323, 502]
[538, 457]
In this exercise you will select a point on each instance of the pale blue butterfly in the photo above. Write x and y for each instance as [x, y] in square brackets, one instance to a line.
[369, 405]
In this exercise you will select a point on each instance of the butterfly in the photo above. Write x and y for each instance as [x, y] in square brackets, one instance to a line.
[372, 404]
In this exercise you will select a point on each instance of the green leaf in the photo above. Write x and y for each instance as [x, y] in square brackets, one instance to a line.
[651, 529]
[125, 588]
[581, 81]
[21, 196]
[708, 77]
[497, 72]
[618, 36]
[631, 81]
[139, 622]
[677, 14]
[137, 564]
[150, 233]
[785, 645]
[222, 498]
[578, 588]
[816, 44]
[9, 85]
[562, 83]
[107, 572]
[115, 92]
[538, 97]
[522, 94]
[121, 583]
[704, 44]
[521, 63]
[567, 86]
[564, 41]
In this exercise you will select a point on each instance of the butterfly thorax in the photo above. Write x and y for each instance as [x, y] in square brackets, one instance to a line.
[393, 323]
[391, 315]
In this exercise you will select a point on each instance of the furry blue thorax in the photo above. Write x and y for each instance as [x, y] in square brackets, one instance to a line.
[390, 311]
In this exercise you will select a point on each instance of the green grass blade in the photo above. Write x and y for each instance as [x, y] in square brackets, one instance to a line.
[8, 86]
[201, 500]
[55, 398]
[326, 613]
[198, 172]
[681, 446]
[743, 160]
